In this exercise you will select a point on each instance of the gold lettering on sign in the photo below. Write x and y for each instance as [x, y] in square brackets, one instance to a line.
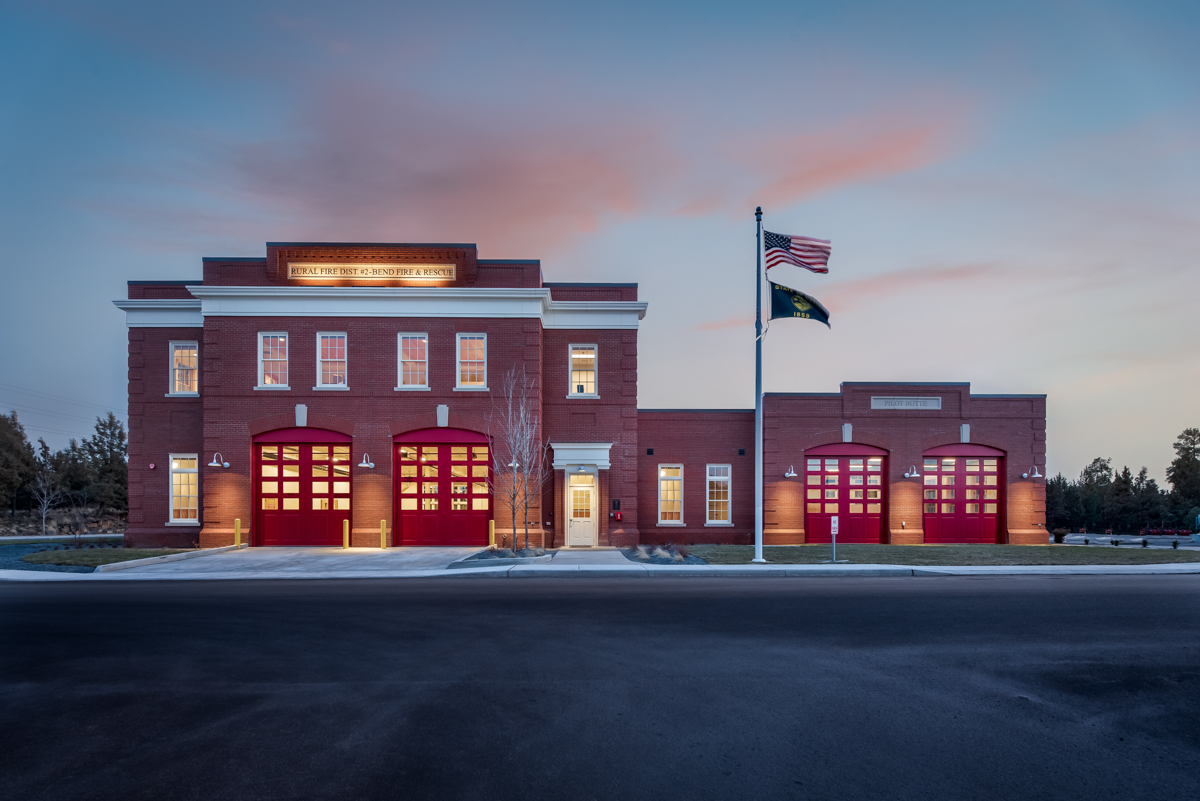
[312, 271]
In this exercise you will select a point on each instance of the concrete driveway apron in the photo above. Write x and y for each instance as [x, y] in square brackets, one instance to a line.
[363, 561]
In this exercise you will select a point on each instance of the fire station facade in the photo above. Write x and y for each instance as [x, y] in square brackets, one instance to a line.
[328, 383]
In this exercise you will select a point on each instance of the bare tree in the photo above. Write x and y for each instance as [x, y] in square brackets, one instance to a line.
[518, 454]
[534, 478]
[47, 492]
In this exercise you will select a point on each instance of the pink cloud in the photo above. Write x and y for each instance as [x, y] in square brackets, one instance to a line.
[374, 166]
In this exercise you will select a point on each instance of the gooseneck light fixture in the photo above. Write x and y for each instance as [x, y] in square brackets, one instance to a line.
[218, 461]
[1033, 473]
[912, 472]
[791, 473]
[365, 462]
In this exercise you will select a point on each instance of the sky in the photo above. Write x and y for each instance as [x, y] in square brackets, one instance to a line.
[1012, 189]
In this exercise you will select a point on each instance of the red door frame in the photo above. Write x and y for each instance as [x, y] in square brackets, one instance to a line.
[303, 525]
[430, 455]
[968, 476]
[849, 479]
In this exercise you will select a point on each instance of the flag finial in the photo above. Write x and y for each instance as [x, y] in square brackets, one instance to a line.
[758, 213]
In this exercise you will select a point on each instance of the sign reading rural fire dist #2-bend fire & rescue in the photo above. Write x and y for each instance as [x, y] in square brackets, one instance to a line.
[370, 272]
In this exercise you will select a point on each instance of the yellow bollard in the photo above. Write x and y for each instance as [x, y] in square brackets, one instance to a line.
[491, 532]
[237, 532]
[345, 534]
[383, 534]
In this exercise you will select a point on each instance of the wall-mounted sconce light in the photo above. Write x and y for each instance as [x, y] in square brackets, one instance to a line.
[912, 472]
[1032, 474]
[218, 461]
[580, 470]
[791, 473]
[365, 463]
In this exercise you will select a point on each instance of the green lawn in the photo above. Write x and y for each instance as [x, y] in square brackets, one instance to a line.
[94, 557]
[945, 554]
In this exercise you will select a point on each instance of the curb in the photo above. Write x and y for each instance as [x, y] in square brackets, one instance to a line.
[550, 571]
[174, 557]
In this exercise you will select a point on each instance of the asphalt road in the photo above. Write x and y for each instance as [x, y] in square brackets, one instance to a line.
[924, 688]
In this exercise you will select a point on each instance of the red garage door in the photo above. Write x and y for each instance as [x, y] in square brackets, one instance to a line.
[846, 481]
[302, 488]
[962, 493]
[442, 487]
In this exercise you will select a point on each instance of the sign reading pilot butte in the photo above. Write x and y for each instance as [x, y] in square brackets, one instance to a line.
[906, 403]
[358, 271]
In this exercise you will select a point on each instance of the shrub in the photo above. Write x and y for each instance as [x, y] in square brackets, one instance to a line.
[1059, 535]
[1174, 543]
[1145, 543]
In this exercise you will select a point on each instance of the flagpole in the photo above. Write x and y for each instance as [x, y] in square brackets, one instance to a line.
[758, 411]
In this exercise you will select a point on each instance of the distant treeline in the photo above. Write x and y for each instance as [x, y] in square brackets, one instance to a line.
[88, 472]
[1103, 498]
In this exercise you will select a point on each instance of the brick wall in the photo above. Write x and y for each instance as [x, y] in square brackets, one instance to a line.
[158, 427]
[696, 439]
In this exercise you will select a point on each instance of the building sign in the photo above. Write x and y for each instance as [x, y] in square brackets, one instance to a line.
[906, 403]
[313, 271]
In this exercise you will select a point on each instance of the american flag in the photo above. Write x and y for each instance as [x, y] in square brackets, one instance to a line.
[802, 251]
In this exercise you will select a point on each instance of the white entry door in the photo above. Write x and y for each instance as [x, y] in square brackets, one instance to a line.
[581, 525]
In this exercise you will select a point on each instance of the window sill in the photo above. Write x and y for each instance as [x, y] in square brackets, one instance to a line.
[471, 389]
[719, 525]
[672, 523]
[331, 389]
[192, 523]
[411, 389]
[273, 387]
[182, 395]
[592, 396]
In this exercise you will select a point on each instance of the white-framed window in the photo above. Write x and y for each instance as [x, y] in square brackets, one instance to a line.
[331, 360]
[413, 354]
[582, 372]
[670, 495]
[185, 489]
[185, 369]
[719, 495]
[273, 360]
[472, 361]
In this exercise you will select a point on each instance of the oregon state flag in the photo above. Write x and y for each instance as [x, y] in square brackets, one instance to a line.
[787, 302]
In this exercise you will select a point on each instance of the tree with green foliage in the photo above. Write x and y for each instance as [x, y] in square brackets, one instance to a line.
[107, 452]
[1184, 470]
[18, 466]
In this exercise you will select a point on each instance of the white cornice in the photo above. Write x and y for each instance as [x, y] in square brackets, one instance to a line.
[417, 302]
[168, 313]
[572, 454]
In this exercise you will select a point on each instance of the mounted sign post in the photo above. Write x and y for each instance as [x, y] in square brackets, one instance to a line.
[833, 529]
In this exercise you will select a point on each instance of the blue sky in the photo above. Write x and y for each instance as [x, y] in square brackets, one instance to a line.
[1013, 190]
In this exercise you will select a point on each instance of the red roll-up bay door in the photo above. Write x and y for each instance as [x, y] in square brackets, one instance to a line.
[962, 494]
[848, 482]
[443, 490]
[302, 488]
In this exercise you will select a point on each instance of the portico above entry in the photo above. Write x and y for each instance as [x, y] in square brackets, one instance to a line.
[581, 463]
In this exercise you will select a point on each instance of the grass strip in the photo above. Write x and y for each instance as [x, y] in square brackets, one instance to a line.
[948, 555]
[96, 557]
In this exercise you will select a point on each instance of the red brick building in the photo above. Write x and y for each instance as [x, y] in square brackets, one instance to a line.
[360, 385]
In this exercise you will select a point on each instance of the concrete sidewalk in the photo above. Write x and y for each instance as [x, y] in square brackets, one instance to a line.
[359, 563]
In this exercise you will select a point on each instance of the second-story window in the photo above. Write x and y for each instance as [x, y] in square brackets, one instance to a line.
[472, 361]
[185, 372]
[583, 370]
[414, 361]
[273, 360]
[331, 360]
